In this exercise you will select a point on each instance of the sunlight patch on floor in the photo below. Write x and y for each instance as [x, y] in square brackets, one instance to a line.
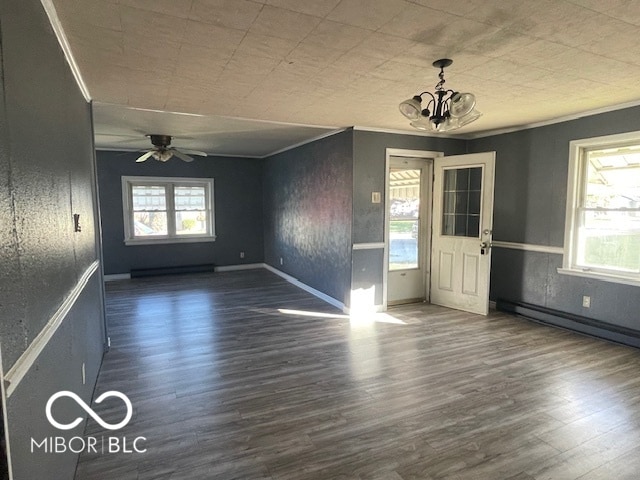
[354, 319]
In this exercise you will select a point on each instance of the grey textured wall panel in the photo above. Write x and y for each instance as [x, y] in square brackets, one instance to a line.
[46, 175]
[308, 211]
[368, 270]
[530, 185]
[369, 156]
[57, 368]
[238, 212]
[530, 199]
[532, 277]
[50, 155]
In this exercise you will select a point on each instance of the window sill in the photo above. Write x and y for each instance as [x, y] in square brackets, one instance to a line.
[605, 277]
[165, 240]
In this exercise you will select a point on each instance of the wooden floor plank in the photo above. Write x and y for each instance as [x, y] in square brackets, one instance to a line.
[240, 375]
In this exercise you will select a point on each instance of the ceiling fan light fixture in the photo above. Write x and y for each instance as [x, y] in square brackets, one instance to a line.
[451, 110]
[412, 107]
[162, 151]
[162, 155]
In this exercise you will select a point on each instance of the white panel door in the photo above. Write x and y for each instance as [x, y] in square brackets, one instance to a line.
[462, 226]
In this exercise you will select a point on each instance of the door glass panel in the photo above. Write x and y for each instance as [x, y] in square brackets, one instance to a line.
[461, 202]
[404, 218]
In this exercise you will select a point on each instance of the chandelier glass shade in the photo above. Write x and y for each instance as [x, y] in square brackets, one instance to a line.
[445, 109]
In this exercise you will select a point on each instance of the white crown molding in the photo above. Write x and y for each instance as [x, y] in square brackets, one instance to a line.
[565, 118]
[305, 142]
[134, 150]
[416, 133]
[226, 117]
[233, 155]
[50, 9]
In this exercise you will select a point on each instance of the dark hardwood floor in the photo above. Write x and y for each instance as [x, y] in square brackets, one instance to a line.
[240, 375]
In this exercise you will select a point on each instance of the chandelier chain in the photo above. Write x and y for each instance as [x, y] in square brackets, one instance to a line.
[440, 85]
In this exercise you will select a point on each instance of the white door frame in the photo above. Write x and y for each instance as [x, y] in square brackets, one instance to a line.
[426, 235]
[3, 405]
[458, 248]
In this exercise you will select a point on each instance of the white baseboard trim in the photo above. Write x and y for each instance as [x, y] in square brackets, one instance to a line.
[233, 268]
[306, 288]
[253, 266]
[22, 366]
[117, 276]
[224, 268]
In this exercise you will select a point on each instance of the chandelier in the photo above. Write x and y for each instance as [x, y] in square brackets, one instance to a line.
[446, 109]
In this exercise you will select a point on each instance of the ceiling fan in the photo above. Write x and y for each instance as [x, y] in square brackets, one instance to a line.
[162, 152]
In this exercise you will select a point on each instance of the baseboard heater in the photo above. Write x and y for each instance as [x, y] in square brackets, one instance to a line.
[151, 272]
[589, 326]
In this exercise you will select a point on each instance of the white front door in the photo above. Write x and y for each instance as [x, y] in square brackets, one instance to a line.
[408, 227]
[462, 227]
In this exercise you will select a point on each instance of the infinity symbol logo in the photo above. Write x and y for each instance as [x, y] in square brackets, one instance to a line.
[88, 409]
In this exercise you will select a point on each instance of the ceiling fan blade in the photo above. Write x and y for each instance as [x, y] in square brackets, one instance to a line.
[144, 157]
[182, 156]
[193, 152]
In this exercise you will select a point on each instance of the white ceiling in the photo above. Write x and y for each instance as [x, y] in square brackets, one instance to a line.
[311, 66]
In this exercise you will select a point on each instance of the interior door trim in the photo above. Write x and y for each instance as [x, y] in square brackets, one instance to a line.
[412, 154]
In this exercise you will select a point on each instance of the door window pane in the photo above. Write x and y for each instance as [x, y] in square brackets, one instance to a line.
[461, 202]
[404, 218]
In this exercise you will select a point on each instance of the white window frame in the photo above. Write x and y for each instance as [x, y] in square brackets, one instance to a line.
[575, 186]
[171, 183]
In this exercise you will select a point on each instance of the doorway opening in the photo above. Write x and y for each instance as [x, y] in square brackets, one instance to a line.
[408, 205]
[438, 229]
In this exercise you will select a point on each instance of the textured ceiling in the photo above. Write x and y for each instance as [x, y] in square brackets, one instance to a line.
[338, 63]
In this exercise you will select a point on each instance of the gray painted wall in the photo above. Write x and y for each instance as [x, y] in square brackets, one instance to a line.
[530, 198]
[308, 213]
[237, 203]
[46, 175]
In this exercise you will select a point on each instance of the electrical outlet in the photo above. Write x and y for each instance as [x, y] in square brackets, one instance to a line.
[586, 301]
[281, 261]
[241, 254]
